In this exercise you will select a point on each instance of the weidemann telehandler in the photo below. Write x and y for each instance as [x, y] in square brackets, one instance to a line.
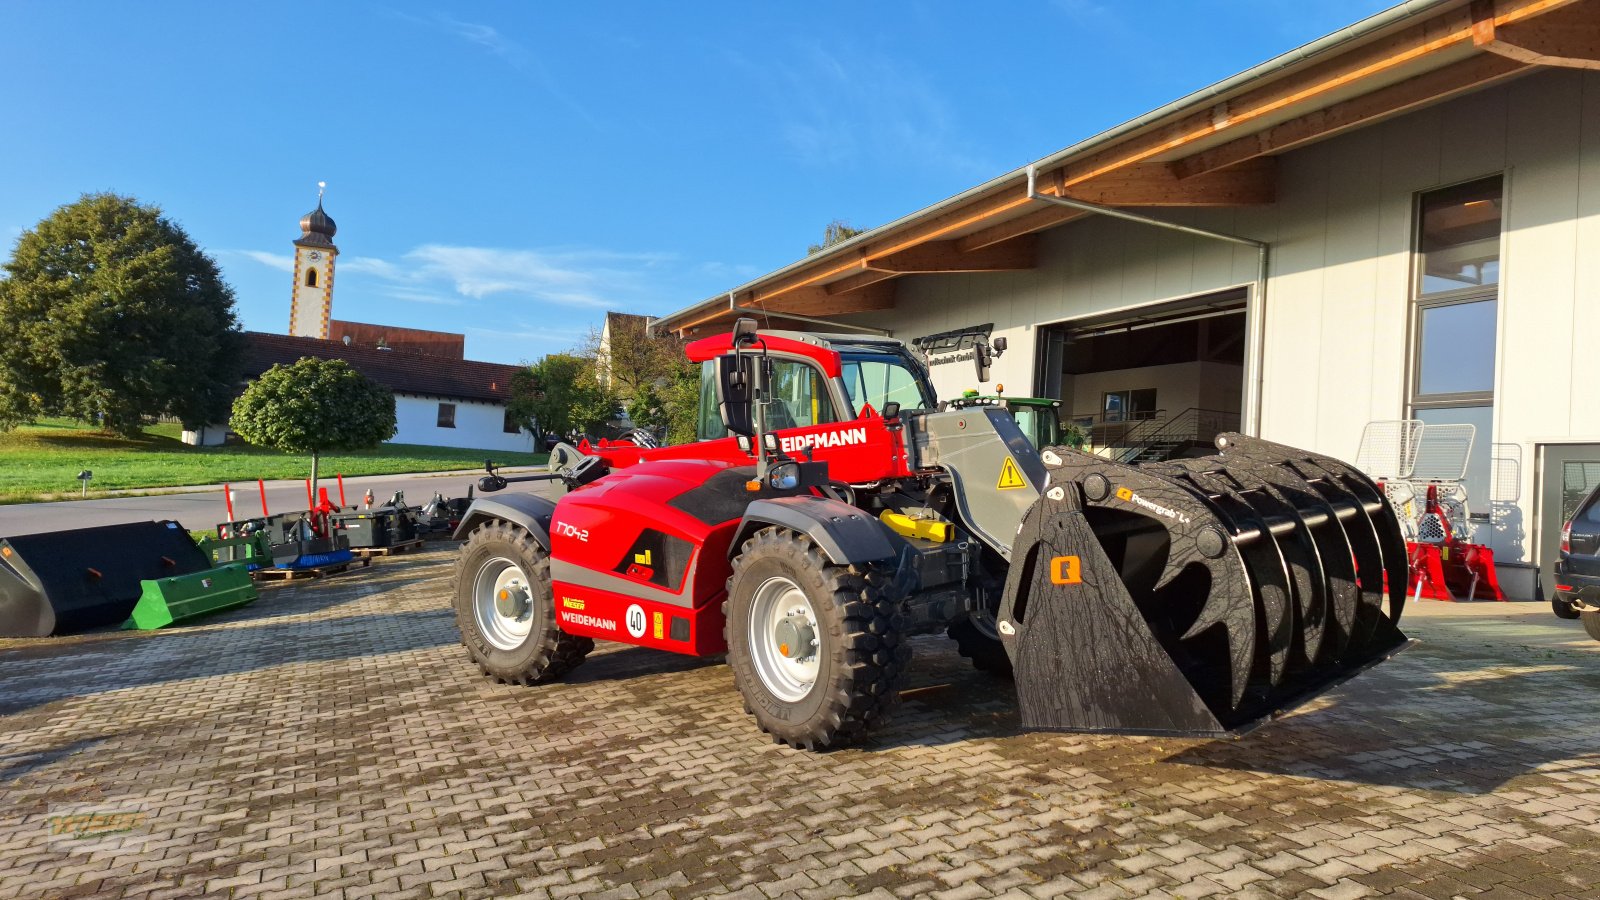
[846, 510]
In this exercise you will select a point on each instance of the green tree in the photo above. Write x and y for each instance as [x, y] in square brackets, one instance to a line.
[314, 406]
[838, 231]
[113, 315]
[562, 393]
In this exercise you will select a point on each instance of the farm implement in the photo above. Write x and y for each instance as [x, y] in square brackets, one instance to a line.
[842, 510]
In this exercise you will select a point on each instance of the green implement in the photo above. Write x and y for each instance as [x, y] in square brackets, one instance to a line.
[255, 550]
[183, 597]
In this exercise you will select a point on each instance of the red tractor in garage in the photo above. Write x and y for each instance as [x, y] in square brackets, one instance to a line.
[846, 510]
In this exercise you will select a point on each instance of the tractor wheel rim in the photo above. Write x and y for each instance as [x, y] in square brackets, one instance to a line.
[504, 621]
[788, 672]
[984, 623]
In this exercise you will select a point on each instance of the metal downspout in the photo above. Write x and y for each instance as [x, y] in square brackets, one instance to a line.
[1255, 324]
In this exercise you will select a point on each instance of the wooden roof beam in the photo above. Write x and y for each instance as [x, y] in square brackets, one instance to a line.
[1451, 29]
[1567, 37]
[1251, 182]
[947, 256]
[1038, 220]
[817, 301]
[1457, 78]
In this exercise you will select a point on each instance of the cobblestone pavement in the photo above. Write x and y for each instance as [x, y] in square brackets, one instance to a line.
[334, 740]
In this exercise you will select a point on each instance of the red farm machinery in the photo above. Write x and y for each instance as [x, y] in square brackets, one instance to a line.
[844, 510]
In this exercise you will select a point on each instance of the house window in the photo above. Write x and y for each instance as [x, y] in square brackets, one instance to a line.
[311, 278]
[1455, 309]
[511, 425]
[1128, 406]
[447, 415]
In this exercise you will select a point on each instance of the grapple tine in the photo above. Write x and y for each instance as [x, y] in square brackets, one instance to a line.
[1194, 596]
[1263, 562]
[1333, 547]
[1299, 549]
[1149, 522]
[1358, 506]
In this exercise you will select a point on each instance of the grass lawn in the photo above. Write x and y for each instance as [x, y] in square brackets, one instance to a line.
[43, 460]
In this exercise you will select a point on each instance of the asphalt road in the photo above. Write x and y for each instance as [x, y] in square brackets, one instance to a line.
[204, 508]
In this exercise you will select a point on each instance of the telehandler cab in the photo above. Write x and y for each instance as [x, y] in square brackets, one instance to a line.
[847, 510]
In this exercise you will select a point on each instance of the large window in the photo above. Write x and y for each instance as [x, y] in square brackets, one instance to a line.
[1455, 309]
[799, 396]
[881, 378]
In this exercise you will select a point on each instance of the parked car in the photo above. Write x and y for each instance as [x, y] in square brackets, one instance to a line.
[1578, 571]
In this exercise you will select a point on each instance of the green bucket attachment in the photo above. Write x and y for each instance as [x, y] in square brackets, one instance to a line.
[183, 597]
[255, 550]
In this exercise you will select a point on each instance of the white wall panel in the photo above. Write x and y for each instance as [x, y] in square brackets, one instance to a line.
[1338, 302]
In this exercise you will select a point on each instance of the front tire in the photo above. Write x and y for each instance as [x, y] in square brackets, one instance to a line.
[505, 608]
[1563, 609]
[815, 648]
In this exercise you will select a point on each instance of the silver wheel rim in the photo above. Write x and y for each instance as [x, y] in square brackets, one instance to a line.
[983, 622]
[503, 630]
[790, 678]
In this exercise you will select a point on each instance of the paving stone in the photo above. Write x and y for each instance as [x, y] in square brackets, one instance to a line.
[332, 739]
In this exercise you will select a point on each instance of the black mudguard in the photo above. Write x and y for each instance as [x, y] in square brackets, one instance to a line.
[844, 533]
[531, 511]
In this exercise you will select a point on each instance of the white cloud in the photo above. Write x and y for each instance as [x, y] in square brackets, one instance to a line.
[280, 261]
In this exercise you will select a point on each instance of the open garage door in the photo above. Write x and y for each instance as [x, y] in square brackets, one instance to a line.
[1157, 382]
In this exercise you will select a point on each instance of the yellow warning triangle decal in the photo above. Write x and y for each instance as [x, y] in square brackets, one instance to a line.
[1010, 476]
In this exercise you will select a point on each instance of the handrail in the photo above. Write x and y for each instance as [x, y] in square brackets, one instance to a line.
[1193, 424]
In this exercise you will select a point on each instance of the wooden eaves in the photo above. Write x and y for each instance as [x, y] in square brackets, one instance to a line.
[1219, 153]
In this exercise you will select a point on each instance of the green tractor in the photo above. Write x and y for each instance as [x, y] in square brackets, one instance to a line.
[1038, 417]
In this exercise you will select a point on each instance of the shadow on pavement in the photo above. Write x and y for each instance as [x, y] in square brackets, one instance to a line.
[37, 675]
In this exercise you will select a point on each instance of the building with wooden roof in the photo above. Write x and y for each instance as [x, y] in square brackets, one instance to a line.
[1400, 220]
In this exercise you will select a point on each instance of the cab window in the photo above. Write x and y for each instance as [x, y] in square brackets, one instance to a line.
[879, 379]
[708, 419]
[799, 396]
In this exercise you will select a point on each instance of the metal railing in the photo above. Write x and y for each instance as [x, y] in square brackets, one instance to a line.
[1166, 438]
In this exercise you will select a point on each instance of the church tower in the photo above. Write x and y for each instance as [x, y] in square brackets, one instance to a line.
[314, 252]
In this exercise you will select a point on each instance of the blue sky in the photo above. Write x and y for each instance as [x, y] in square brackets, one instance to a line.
[512, 170]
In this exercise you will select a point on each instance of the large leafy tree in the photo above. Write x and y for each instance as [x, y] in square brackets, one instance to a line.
[650, 376]
[312, 407]
[112, 316]
[562, 393]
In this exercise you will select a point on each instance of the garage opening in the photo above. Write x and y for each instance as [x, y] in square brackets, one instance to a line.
[1159, 382]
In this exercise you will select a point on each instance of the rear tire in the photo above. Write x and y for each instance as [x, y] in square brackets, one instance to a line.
[849, 682]
[977, 640]
[1591, 624]
[1563, 609]
[517, 641]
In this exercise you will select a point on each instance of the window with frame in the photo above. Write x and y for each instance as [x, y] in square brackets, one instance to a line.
[798, 395]
[1455, 311]
[311, 278]
[447, 415]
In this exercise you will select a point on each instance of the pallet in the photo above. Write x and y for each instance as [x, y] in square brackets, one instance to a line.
[402, 547]
[309, 572]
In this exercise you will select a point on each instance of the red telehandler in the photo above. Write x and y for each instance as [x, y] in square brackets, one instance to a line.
[846, 510]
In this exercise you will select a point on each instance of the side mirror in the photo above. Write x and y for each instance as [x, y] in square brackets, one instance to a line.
[490, 483]
[891, 410]
[981, 359]
[744, 332]
[735, 392]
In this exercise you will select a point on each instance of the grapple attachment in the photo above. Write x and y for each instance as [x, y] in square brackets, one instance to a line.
[1198, 596]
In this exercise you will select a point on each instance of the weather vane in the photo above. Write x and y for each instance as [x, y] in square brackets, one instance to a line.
[322, 188]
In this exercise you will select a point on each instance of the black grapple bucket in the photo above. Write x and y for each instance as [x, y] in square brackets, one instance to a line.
[1198, 596]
